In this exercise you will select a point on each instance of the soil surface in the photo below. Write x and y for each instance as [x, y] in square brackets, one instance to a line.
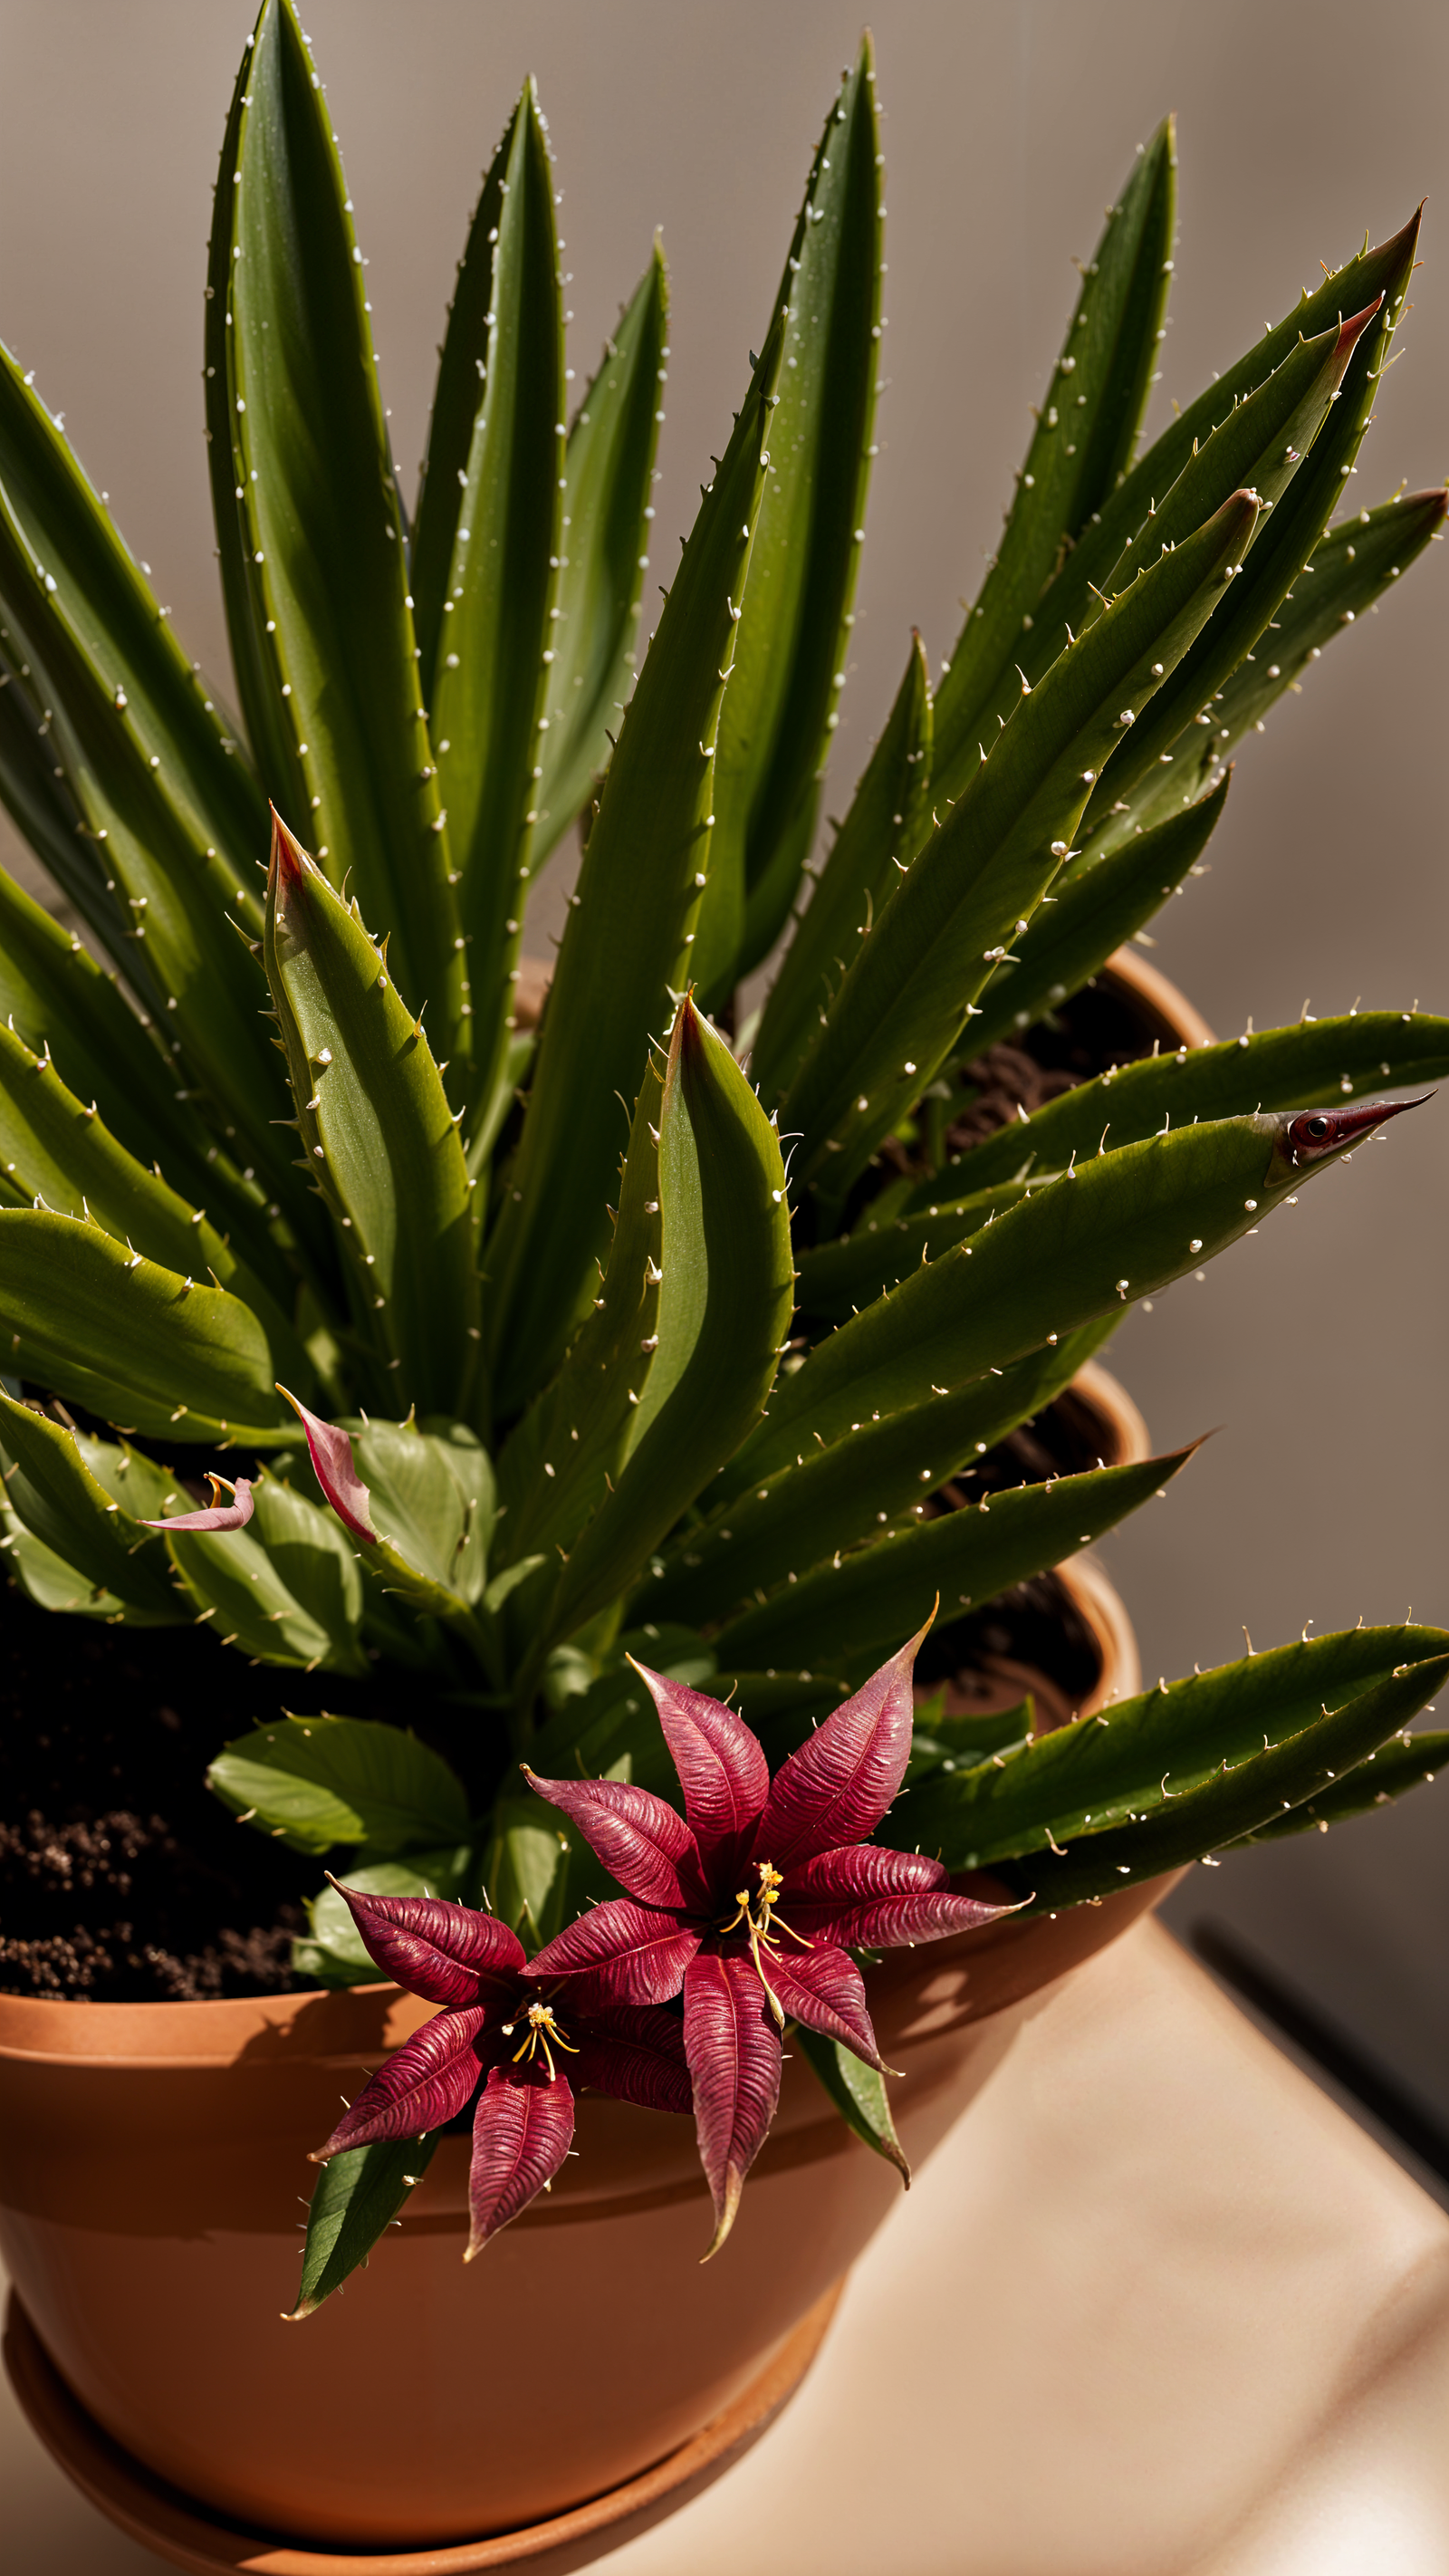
[123, 1879]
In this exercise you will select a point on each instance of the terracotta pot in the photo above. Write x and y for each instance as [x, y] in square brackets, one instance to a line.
[152, 2182]
[209, 2544]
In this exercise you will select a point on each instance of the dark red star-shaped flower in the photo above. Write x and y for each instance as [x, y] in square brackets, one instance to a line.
[497, 2030]
[751, 1905]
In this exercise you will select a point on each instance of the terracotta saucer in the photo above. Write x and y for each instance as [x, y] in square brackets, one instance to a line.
[178, 2528]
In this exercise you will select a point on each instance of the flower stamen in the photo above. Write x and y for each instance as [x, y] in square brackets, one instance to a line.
[542, 2029]
[758, 1920]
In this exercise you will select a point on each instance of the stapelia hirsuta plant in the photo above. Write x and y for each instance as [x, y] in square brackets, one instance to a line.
[496, 2038]
[750, 1903]
[577, 1387]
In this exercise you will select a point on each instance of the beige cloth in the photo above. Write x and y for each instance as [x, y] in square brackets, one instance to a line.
[1155, 2308]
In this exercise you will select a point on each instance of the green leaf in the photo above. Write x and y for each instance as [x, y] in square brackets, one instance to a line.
[1296, 1068]
[724, 1306]
[556, 1466]
[1067, 603]
[1099, 909]
[315, 1782]
[1149, 1752]
[167, 926]
[378, 1134]
[1350, 567]
[789, 668]
[1260, 445]
[134, 659]
[841, 1496]
[426, 1518]
[1387, 1774]
[432, 1489]
[334, 1955]
[39, 802]
[128, 1478]
[1287, 539]
[309, 523]
[837, 1279]
[903, 1005]
[858, 2093]
[1249, 1794]
[960, 1743]
[51, 1583]
[490, 534]
[629, 928]
[607, 483]
[526, 1869]
[133, 1342]
[1085, 434]
[358, 2195]
[888, 819]
[1083, 1245]
[836, 1614]
[285, 1589]
[56, 1153]
[52, 1491]
[57, 999]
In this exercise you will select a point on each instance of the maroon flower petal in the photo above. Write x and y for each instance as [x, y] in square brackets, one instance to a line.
[722, 1771]
[217, 1515]
[448, 1954]
[428, 2081]
[823, 1989]
[522, 2131]
[619, 1953]
[335, 1469]
[842, 1780]
[638, 2056]
[864, 1898]
[641, 1840]
[733, 2048]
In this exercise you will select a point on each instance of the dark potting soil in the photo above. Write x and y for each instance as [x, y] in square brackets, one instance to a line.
[122, 1878]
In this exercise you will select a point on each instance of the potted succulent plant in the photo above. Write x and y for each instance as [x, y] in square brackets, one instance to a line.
[563, 1380]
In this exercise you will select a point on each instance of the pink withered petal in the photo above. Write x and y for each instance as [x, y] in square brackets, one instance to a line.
[522, 2131]
[843, 1779]
[865, 1898]
[637, 2055]
[448, 1954]
[733, 2048]
[824, 1990]
[640, 1839]
[336, 1470]
[721, 1766]
[217, 1515]
[428, 2081]
[619, 1953]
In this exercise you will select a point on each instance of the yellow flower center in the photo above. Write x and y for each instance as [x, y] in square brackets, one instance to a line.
[541, 2033]
[756, 1917]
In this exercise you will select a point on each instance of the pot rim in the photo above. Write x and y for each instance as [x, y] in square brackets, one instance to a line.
[1161, 1002]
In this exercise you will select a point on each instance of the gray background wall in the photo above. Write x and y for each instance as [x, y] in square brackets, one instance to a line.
[1317, 1347]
